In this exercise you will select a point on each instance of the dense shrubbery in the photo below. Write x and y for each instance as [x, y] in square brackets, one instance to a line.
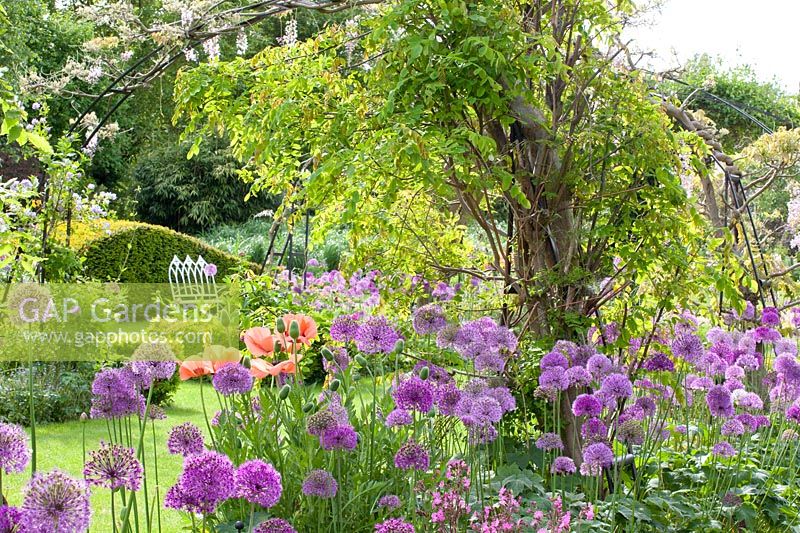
[142, 253]
[61, 392]
[195, 194]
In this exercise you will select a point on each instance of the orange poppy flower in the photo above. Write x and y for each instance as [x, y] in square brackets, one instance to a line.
[259, 342]
[261, 369]
[194, 369]
[308, 329]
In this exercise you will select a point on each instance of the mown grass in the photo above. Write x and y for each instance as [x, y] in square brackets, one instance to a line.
[61, 446]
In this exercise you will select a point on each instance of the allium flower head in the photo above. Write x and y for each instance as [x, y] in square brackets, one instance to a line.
[599, 365]
[770, 317]
[185, 439]
[55, 502]
[549, 441]
[723, 449]
[376, 335]
[429, 319]
[411, 456]
[587, 405]
[617, 386]
[630, 432]
[394, 525]
[563, 465]
[207, 481]
[317, 423]
[659, 361]
[732, 428]
[258, 482]
[719, 401]
[320, 483]
[414, 394]
[596, 457]
[554, 360]
[344, 328]
[113, 467]
[10, 519]
[339, 438]
[390, 502]
[554, 379]
[274, 525]
[446, 336]
[14, 451]
[398, 417]
[233, 379]
[114, 394]
[578, 376]
[594, 430]
[687, 346]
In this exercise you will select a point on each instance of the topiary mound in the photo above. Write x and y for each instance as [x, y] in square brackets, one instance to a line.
[141, 253]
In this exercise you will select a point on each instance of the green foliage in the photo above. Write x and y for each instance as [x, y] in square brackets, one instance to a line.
[192, 195]
[765, 101]
[164, 391]
[142, 254]
[62, 391]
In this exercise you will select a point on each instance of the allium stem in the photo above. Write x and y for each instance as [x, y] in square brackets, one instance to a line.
[32, 415]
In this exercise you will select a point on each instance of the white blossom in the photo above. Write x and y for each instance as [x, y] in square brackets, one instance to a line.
[241, 43]
[289, 34]
[211, 48]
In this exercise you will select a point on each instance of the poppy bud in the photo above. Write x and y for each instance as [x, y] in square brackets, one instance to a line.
[280, 325]
[399, 346]
[334, 386]
[360, 360]
[284, 392]
[246, 361]
[294, 330]
[327, 354]
[424, 372]
[308, 407]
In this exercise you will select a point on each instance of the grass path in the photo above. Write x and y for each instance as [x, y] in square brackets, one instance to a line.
[60, 446]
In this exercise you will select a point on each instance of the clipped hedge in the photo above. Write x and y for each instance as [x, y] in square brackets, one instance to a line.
[141, 253]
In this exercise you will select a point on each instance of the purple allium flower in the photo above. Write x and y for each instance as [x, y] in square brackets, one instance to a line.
[599, 365]
[56, 502]
[484, 336]
[563, 465]
[554, 360]
[320, 483]
[490, 362]
[734, 372]
[647, 405]
[340, 362]
[210, 270]
[770, 317]
[414, 394]
[155, 412]
[258, 482]
[748, 421]
[339, 438]
[411, 456]
[394, 525]
[324, 419]
[481, 434]
[748, 361]
[185, 439]
[594, 430]
[233, 379]
[596, 457]
[398, 417]
[617, 386]
[14, 450]
[793, 412]
[578, 376]
[503, 396]
[390, 502]
[447, 397]
[732, 428]
[786, 346]
[207, 480]
[554, 379]
[719, 401]
[723, 449]
[274, 525]
[344, 328]
[114, 394]
[10, 520]
[443, 292]
[659, 361]
[731, 499]
[630, 432]
[376, 335]
[113, 467]
[587, 405]
[549, 441]
[429, 319]
[687, 346]
[766, 334]
[447, 336]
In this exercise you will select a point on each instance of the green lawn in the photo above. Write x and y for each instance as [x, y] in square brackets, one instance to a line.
[60, 445]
